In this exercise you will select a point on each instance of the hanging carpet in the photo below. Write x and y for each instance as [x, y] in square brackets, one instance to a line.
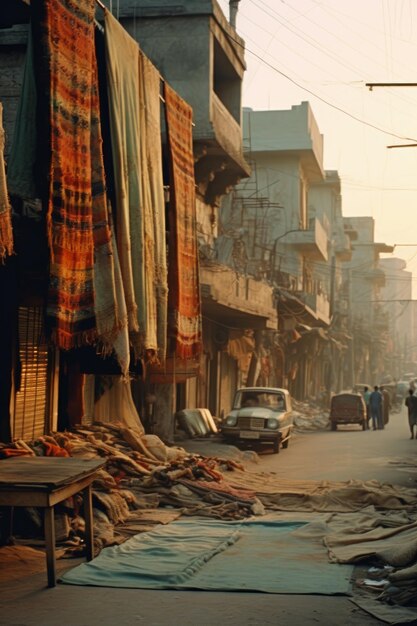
[6, 234]
[76, 205]
[184, 324]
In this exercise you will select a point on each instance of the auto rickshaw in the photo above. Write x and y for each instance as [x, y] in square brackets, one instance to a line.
[348, 408]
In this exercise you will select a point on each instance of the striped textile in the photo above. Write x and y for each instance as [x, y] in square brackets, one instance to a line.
[184, 324]
[6, 234]
[76, 213]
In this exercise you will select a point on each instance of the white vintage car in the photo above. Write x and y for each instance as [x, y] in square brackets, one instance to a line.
[260, 415]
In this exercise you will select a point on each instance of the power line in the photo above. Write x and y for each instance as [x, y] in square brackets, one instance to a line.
[319, 45]
[330, 104]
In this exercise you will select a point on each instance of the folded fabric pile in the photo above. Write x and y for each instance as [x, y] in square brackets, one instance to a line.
[141, 475]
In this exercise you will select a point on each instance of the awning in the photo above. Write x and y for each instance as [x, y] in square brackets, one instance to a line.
[173, 370]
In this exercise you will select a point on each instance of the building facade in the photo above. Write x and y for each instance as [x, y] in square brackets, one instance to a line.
[286, 221]
[369, 317]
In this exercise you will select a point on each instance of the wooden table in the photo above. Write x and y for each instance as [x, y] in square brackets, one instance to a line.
[44, 482]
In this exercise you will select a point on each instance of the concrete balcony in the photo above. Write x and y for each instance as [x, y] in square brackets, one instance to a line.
[237, 300]
[227, 133]
[312, 242]
[203, 58]
[219, 160]
[317, 303]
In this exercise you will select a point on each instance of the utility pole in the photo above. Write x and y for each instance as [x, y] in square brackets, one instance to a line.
[352, 342]
[330, 378]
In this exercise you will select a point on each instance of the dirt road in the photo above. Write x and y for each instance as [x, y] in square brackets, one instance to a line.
[347, 453]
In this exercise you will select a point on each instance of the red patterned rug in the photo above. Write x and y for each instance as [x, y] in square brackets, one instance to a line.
[183, 279]
[66, 72]
[6, 233]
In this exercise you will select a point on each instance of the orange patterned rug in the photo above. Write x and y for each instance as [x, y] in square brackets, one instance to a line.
[183, 280]
[66, 73]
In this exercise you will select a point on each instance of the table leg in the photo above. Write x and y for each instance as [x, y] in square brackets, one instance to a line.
[50, 545]
[6, 525]
[88, 515]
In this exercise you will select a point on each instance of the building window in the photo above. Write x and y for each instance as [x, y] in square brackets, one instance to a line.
[226, 81]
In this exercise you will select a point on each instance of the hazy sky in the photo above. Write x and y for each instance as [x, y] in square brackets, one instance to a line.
[331, 48]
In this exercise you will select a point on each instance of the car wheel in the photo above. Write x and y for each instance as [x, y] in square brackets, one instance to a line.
[276, 446]
[334, 426]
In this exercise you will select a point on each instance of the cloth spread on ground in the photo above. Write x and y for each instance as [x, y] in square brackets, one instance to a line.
[387, 613]
[184, 325]
[197, 554]
[6, 234]
[153, 312]
[305, 495]
[394, 546]
[67, 73]
[122, 62]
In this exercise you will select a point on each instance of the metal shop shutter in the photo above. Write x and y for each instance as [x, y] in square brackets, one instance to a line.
[31, 409]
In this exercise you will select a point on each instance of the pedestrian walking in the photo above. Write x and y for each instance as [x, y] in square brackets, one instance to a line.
[411, 404]
[366, 395]
[386, 405]
[375, 406]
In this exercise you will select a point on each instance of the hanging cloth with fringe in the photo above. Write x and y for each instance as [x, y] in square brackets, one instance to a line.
[6, 233]
[76, 204]
[122, 63]
[152, 319]
[183, 277]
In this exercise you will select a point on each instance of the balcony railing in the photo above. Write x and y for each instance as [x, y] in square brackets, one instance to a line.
[311, 242]
[226, 293]
[319, 303]
[227, 131]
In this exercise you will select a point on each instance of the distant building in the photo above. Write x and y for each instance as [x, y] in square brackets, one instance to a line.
[369, 317]
[287, 217]
[397, 298]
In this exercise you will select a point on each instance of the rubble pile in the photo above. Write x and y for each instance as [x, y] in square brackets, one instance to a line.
[395, 586]
[144, 483]
[309, 416]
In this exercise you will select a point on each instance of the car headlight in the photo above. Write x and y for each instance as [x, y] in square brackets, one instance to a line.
[272, 423]
[231, 420]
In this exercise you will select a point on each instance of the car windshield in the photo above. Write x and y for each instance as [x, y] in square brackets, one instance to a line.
[266, 399]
